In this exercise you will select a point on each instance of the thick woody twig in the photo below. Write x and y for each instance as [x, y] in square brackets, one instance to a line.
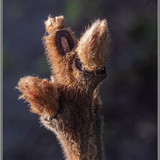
[68, 104]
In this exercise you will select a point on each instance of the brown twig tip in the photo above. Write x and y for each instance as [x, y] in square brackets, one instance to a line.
[53, 24]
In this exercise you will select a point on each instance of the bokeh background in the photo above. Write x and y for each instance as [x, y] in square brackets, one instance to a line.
[129, 93]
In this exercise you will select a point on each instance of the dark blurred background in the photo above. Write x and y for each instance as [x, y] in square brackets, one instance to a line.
[129, 93]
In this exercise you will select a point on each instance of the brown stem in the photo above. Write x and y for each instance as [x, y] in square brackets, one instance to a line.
[78, 130]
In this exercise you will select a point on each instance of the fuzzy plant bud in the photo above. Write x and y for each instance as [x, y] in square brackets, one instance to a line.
[93, 47]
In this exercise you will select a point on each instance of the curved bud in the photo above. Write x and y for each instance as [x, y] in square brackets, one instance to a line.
[93, 47]
[59, 44]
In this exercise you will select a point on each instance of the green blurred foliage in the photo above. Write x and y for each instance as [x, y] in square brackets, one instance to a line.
[143, 30]
[42, 66]
[76, 10]
[73, 11]
[7, 59]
